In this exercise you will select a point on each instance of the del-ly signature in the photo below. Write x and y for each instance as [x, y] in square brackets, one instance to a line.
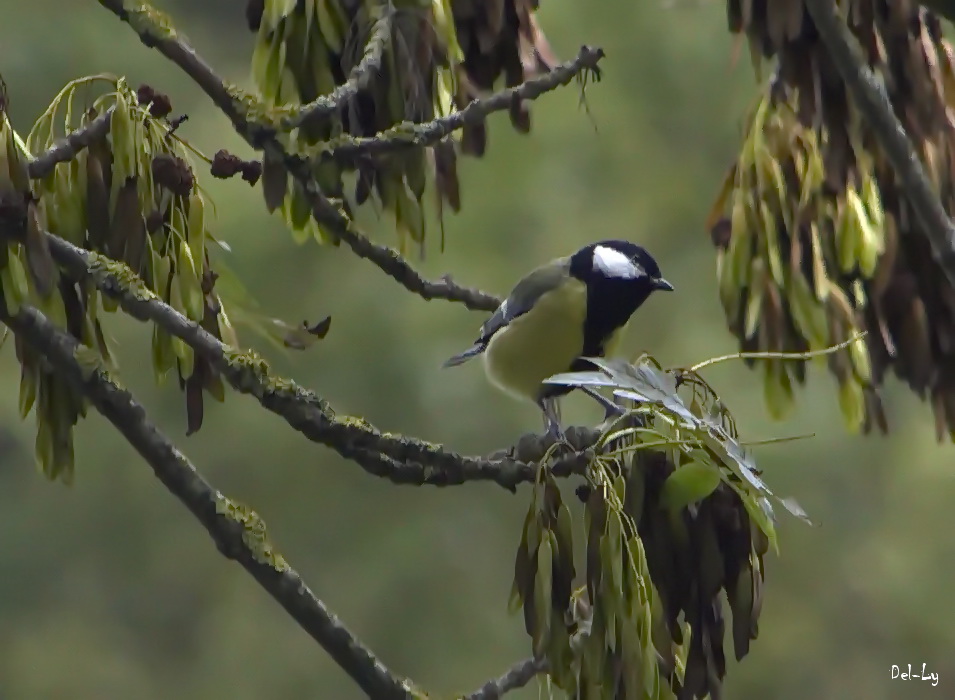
[909, 675]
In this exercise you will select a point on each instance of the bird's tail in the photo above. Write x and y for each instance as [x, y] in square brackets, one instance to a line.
[472, 351]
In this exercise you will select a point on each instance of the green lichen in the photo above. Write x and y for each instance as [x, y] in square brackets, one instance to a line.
[406, 132]
[286, 386]
[417, 442]
[357, 423]
[254, 111]
[89, 360]
[249, 361]
[257, 378]
[254, 534]
[149, 22]
[119, 274]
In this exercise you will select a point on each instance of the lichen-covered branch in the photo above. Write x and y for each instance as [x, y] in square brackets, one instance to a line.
[517, 677]
[870, 95]
[324, 106]
[156, 31]
[409, 134]
[238, 532]
[400, 459]
[66, 149]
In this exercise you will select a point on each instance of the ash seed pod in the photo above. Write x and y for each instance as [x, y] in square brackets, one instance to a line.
[13, 282]
[542, 593]
[254, 9]
[187, 285]
[274, 181]
[194, 399]
[98, 168]
[125, 216]
[43, 270]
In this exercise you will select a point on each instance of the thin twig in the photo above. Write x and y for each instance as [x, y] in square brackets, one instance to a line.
[399, 269]
[68, 147]
[238, 533]
[325, 106]
[401, 459]
[409, 134]
[517, 677]
[869, 94]
[161, 36]
[806, 355]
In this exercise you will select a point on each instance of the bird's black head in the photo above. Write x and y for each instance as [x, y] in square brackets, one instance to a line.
[620, 276]
[619, 262]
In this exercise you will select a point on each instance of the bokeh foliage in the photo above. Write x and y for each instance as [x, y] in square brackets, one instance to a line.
[131, 195]
[73, 596]
[815, 240]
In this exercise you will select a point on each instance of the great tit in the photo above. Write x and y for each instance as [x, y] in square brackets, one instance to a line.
[573, 307]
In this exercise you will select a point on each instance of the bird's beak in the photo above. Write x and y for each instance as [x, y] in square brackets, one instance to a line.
[662, 285]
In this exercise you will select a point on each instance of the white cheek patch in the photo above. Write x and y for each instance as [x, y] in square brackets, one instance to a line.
[613, 263]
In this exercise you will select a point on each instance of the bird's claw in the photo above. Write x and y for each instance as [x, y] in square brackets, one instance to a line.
[613, 411]
[554, 430]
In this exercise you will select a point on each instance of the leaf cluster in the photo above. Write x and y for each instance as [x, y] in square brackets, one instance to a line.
[675, 516]
[815, 237]
[131, 196]
[420, 62]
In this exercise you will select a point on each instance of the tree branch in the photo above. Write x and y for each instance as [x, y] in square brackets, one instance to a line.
[399, 269]
[237, 531]
[409, 134]
[869, 94]
[324, 106]
[68, 147]
[517, 677]
[156, 31]
[402, 460]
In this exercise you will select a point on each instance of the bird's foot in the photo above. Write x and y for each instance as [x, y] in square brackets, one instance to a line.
[553, 429]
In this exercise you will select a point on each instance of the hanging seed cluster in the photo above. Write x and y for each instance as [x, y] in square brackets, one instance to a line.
[438, 56]
[675, 518]
[132, 197]
[28, 275]
[815, 239]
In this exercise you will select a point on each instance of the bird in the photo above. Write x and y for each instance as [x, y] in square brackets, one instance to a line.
[571, 308]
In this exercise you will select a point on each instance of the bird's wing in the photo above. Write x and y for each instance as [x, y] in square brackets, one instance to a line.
[522, 298]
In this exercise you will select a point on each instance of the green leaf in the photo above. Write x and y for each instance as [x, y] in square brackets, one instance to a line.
[690, 483]
[795, 509]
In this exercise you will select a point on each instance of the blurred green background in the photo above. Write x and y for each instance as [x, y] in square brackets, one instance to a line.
[109, 589]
